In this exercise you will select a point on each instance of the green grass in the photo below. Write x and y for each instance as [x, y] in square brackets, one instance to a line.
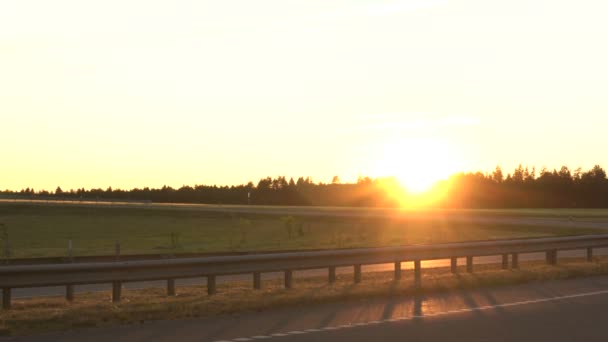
[44, 230]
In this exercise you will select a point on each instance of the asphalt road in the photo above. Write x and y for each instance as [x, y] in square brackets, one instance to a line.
[60, 290]
[566, 310]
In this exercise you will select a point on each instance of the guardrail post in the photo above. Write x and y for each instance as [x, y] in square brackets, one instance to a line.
[69, 293]
[116, 291]
[515, 260]
[417, 274]
[257, 280]
[454, 265]
[469, 264]
[332, 274]
[398, 270]
[589, 254]
[288, 279]
[170, 287]
[211, 288]
[551, 257]
[6, 298]
[554, 257]
[357, 273]
[505, 261]
[69, 289]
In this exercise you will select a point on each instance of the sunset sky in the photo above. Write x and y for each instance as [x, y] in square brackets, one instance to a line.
[146, 93]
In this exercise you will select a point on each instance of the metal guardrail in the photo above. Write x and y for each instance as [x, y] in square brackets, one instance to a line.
[22, 276]
[133, 257]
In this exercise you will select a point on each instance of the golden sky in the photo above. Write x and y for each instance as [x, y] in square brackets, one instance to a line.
[146, 93]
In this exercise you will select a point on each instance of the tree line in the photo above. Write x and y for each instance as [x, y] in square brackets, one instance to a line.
[523, 188]
[527, 188]
[268, 191]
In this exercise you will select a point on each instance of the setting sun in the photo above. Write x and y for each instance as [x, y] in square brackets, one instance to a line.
[418, 164]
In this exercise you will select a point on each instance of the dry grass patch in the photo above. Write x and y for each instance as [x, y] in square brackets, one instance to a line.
[139, 306]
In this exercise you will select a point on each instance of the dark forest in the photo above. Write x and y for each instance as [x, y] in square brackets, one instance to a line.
[523, 188]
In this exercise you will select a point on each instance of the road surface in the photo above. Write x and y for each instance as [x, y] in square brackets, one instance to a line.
[567, 218]
[566, 310]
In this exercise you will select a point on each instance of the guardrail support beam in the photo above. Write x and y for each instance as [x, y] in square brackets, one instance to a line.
[257, 280]
[505, 261]
[417, 274]
[515, 260]
[398, 270]
[332, 274]
[551, 257]
[211, 288]
[6, 298]
[116, 291]
[469, 264]
[288, 279]
[170, 287]
[357, 273]
[454, 265]
[69, 293]
[589, 254]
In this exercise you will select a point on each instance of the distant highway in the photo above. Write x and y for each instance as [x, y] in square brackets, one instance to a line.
[574, 218]
[556, 311]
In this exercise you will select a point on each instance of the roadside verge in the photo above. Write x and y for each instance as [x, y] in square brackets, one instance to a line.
[38, 315]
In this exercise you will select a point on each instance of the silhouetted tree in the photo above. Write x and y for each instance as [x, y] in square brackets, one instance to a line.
[521, 188]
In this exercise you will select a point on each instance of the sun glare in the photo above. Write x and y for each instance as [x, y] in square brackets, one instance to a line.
[419, 166]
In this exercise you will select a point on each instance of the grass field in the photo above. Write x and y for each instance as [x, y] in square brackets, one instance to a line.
[44, 230]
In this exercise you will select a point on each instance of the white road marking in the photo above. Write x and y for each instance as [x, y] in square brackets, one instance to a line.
[405, 318]
[297, 332]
